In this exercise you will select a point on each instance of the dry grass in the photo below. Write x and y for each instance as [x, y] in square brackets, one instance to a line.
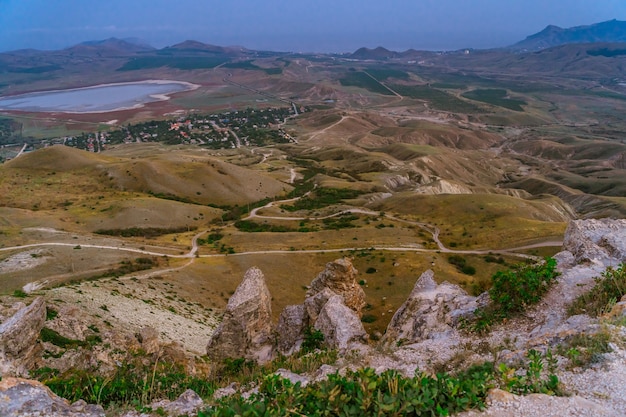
[488, 221]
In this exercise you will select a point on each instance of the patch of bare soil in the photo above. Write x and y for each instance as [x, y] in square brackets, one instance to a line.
[23, 260]
[130, 304]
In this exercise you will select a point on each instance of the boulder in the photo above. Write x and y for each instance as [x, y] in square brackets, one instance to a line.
[340, 325]
[340, 277]
[293, 377]
[246, 328]
[69, 323]
[148, 338]
[314, 304]
[27, 398]
[187, 404]
[600, 241]
[290, 329]
[431, 311]
[18, 338]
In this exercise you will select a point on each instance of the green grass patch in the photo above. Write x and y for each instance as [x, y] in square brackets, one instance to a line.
[322, 197]
[146, 232]
[340, 222]
[449, 86]
[211, 238]
[362, 80]
[438, 99]
[132, 383]
[495, 97]
[245, 65]
[254, 227]
[49, 335]
[382, 74]
[584, 350]
[608, 290]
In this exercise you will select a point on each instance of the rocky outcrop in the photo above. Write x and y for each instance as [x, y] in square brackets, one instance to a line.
[431, 311]
[597, 241]
[26, 398]
[340, 277]
[246, 328]
[69, 323]
[332, 305]
[18, 338]
[148, 337]
[290, 329]
[314, 304]
[340, 325]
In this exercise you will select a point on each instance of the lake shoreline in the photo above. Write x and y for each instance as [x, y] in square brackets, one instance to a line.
[146, 98]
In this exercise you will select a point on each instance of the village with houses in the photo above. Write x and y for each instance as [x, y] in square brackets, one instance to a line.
[227, 130]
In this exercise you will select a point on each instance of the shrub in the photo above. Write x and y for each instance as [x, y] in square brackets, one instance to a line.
[461, 264]
[513, 290]
[369, 318]
[49, 335]
[51, 313]
[522, 285]
[313, 339]
[365, 393]
[20, 294]
[609, 289]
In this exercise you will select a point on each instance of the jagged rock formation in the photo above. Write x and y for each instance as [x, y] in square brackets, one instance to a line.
[332, 305]
[290, 329]
[247, 325]
[26, 398]
[340, 325]
[340, 277]
[18, 338]
[431, 311]
[597, 241]
[589, 247]
[69, 323]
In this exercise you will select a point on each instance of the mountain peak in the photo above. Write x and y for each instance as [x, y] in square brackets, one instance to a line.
[611, 31]
[110, 46]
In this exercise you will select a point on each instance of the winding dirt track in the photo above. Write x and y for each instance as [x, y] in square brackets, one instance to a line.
[193, 252]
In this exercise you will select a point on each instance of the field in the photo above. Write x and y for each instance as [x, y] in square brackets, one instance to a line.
[439, 99]
[362, 80]
[496, 97]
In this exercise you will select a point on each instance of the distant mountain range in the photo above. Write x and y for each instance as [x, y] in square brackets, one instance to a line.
[109, 47]
[612, 31]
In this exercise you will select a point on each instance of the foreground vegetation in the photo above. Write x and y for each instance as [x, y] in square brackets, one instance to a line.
[365, 393]
[137, 382]
[607, 291]
[514, 290]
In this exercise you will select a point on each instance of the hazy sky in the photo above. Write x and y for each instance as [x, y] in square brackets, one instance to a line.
[295, 25]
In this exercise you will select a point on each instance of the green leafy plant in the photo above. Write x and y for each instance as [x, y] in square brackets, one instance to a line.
[513, 290]
[532, 380]
[609, 288]
[583, 350]
[313, 339]
[20, 294]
